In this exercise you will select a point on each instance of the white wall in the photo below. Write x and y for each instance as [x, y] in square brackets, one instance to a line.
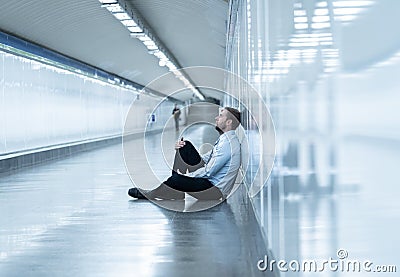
[43, 105]
[335, 106]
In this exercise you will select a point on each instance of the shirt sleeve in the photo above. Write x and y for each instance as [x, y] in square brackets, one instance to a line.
[205, 157]
[220, 156]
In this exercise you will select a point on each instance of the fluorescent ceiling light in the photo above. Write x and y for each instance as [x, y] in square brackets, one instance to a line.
[152, 47]
[121, 16]
[305, 39]
[195, 91]
[108, 1]
[299, 13]
[314, 35]
[129, 23]
[321, 11]
[322, 4]
[294, 39]
[148, 42]
[171, 65]
[161, 56]
[186, 82]
[144, 38]
[347, 11]
[137, 35]
[320, 25]
[308, 55]
[321, 18]
[139, 31]
[114, 8]
[303, 44]
[297, 5]
[300, 26]
[300, 19]
[331, 55]
[135, 29]
[360, 3]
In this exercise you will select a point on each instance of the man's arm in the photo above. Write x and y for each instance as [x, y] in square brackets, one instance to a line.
[221, 155]
[205, 157]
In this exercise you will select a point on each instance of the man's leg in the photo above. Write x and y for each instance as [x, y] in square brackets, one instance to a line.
[187, 158]
[176, 124]
[200, 188]
[175, 186]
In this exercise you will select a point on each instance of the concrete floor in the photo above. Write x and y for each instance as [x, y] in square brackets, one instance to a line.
[73, 217]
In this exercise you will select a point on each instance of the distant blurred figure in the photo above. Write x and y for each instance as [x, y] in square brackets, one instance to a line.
[177, 113]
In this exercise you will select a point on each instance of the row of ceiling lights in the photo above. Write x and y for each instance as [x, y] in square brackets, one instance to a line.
[343, 11]
[137, 30]
[305, 46]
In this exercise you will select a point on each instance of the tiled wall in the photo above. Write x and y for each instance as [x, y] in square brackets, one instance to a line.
[47, 104]
[331, 86]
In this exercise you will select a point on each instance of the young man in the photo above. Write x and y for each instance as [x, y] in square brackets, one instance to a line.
[209, 176]
[176, 112]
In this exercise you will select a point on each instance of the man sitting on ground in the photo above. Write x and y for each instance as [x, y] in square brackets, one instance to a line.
[209, 176]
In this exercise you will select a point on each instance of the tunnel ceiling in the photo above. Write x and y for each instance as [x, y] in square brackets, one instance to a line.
[193, 31]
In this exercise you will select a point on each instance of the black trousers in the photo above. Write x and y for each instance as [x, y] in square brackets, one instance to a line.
[187, 158]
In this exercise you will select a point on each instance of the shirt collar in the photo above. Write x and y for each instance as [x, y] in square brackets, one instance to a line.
[228, 134]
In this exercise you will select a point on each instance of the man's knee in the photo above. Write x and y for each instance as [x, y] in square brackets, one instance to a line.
[188, 145]
[189, 154]
[187, 148]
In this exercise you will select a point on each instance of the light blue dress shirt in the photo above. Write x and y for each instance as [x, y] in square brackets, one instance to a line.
[221, 163]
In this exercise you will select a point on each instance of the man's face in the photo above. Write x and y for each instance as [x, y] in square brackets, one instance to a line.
[220, 120]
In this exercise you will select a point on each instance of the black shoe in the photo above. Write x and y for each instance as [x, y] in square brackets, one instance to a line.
[135, 193]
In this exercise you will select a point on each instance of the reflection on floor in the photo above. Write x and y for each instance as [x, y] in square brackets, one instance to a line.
[73, 217]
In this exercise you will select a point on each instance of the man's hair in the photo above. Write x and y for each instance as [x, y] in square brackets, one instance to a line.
[234, 115]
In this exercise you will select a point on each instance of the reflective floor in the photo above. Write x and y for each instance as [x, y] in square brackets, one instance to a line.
[351, 207]
[73, 217]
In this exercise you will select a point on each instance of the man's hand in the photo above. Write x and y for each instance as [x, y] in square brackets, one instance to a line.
[179, 144]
